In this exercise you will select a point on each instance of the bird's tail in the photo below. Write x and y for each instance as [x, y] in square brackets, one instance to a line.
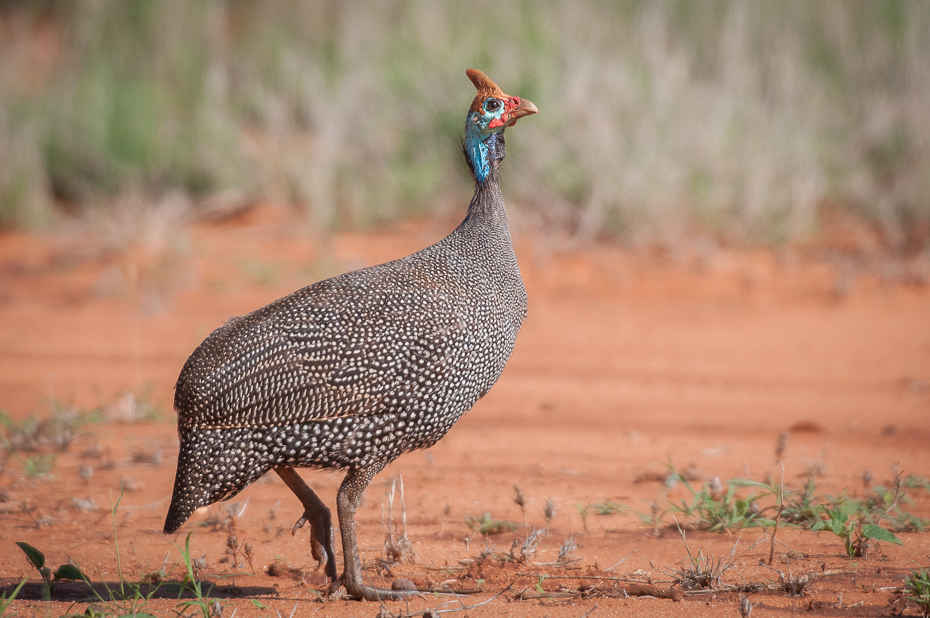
[213, 465]
[189, 492]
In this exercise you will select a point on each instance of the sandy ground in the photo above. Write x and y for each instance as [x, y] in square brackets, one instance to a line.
[627, 364]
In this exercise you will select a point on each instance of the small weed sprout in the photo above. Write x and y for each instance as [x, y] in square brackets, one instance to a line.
[86, 472]
[745, 607]
[249, 553]
[539, 583]
[149, 454]
[917, 589]
[520, 499]
[549, 513]
[794, 585]
[781, 445]
[582, 509]
[134, 407]
[400, 548]
[226, 517]
[39, 466]
[701, 572]
[522, 552]
[201, 599]
[232, 548]
[801, 507]
[566, 549]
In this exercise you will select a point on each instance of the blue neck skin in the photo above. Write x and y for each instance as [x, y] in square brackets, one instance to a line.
[481, 150]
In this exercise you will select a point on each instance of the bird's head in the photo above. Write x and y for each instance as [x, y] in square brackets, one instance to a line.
[491, 112]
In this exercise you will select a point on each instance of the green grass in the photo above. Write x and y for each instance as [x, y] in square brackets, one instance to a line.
[748, 503]
[128, 597]
[717, 510]
[6, 601]
[917, 589]
[738, 118]
[54, 431]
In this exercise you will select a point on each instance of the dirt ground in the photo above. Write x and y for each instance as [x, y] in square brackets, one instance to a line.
[628, 363]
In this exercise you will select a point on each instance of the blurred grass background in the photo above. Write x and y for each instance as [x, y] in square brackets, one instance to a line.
[740, 118]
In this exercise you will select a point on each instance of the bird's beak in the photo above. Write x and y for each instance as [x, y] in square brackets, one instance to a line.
[523, 107]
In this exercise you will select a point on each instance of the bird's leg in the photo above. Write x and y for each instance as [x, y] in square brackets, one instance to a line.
[322, 541]
[347, 500]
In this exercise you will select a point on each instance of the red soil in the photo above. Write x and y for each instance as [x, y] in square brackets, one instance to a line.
[625, 364]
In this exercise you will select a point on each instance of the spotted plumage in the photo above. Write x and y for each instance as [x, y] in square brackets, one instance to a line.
[351, 372]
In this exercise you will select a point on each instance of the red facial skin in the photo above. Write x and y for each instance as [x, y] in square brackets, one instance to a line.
[514, 109]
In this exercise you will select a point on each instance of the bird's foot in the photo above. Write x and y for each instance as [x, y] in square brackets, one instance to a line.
[369, 593]
[402, 589]
[322, 541]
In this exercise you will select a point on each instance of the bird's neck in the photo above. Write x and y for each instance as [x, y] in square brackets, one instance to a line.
[484, 152]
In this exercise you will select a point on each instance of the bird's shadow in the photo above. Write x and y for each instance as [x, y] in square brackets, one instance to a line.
[95, 592]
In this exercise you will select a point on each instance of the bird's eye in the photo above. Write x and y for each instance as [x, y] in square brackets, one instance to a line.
[492, 105]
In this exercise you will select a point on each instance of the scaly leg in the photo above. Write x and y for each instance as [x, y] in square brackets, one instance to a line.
[347, 500]
[322, 540]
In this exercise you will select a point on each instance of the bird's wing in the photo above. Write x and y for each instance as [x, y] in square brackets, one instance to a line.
[311, 360]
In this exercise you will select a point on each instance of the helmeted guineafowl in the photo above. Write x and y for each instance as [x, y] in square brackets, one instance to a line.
[351, 372]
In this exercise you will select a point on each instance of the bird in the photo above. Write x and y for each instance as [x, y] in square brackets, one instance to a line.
[351, 372]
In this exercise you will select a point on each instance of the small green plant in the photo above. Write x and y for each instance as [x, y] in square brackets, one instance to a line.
[917, 589]
[717, 510]
[488, 526]
[582, 509]
[914, 481]
[34, 442]
[37, 559]
[884, 502]
[608, 508]
[853, 532]
[801, 507]
[539, 583]
[38, 466]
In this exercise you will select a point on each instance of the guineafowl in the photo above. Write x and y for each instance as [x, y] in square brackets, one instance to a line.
[351, 372]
